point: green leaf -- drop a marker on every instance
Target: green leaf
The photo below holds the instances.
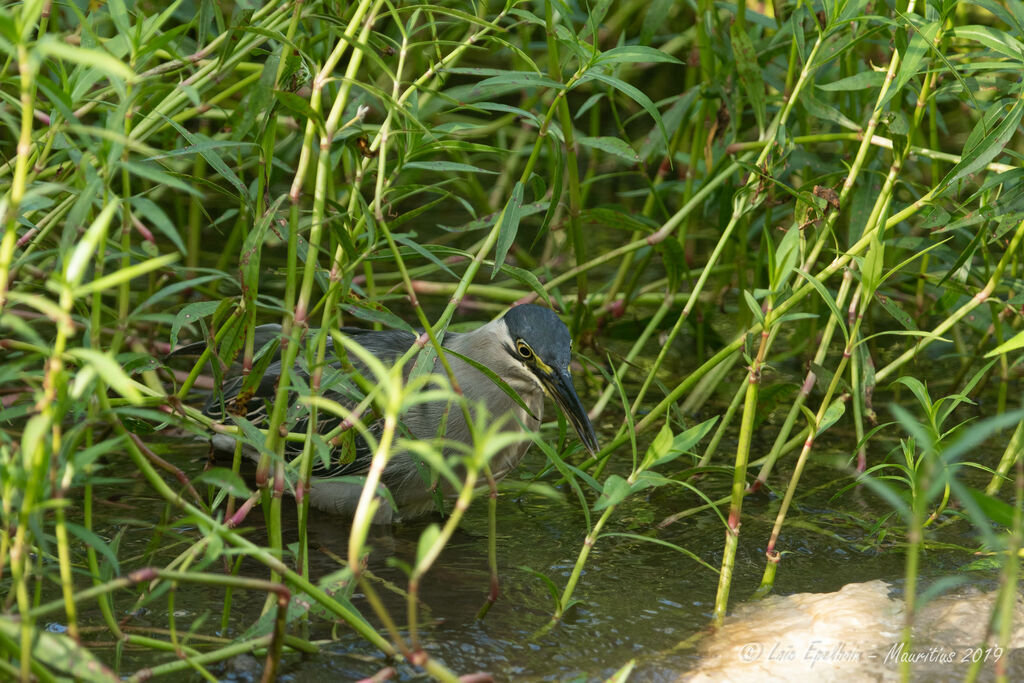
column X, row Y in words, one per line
column 530, row 280
column 975, row 435
column 648, row 480
column 509, row 109
column 1012, row 344
column 829, row 301
column 556, row 595
column 887, row 492
column 212, row 158
column 871, row 275
column 154, row 215
column 832, row 415
column 808, row 415
column 568, row 472
column 655, row 17
column 612, row 218
column 992, row 38
column 613, row 146
column 423, row 250
column 893, row 309
column 60, row 653
column 107, row 368
column 691, row 437
column 300, row 106
column 223, row 478
column 428, row 539
column 86, row 247
column 989, row 146
column 786, row 256
column 659, row 446
column 935, row 218
column 556, row 163
column 591, row 101
column 170, row 290
column 119, row 15
column 631, row 92
column 912, row 57
column 484, row 222
column 950, row 403
column 622, row 675
column 377, row 313
column 633, row 54
column 673, row 255
column 919, row 390
column 613, row 492
column 447, row 167
column 152, row 172
column 754, row 307
column 98, row 544
column 118, row 277
column 191, row 150
column 861, row 81
column 672, row 546
column 519, row 79
column 32, row 436
column 749, row 72
column 995, row 510
column 50, row 46
column 190, row 314
column 508, row 226
column 824, row 111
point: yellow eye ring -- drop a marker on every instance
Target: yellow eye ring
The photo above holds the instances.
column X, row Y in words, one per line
column 524, row 350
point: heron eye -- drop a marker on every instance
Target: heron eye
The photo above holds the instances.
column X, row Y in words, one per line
column 524, row 350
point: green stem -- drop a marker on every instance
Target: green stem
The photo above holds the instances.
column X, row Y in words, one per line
column 739, row 480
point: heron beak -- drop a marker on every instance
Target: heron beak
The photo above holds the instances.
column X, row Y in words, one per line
column 559, row 385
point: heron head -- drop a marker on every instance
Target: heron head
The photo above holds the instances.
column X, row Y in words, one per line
column 540, row 341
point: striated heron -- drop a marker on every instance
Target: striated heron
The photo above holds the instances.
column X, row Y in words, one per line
column 529, row 348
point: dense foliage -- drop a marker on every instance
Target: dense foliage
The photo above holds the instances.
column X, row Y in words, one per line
column 813, row 208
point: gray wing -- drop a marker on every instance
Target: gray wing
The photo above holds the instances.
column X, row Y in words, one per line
column 253, row 404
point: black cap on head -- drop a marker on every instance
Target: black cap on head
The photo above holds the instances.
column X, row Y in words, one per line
column 548, row 339
column 543, row 330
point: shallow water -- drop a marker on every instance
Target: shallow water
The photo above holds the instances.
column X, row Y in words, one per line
column 639, row 600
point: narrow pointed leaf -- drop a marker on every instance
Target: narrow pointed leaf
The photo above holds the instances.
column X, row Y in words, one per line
column 990, row 146
column 508, row 227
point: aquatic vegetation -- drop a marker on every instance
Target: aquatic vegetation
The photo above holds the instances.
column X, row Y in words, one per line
column 776, row 232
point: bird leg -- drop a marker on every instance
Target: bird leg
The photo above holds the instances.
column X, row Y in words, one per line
column 492, row 543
